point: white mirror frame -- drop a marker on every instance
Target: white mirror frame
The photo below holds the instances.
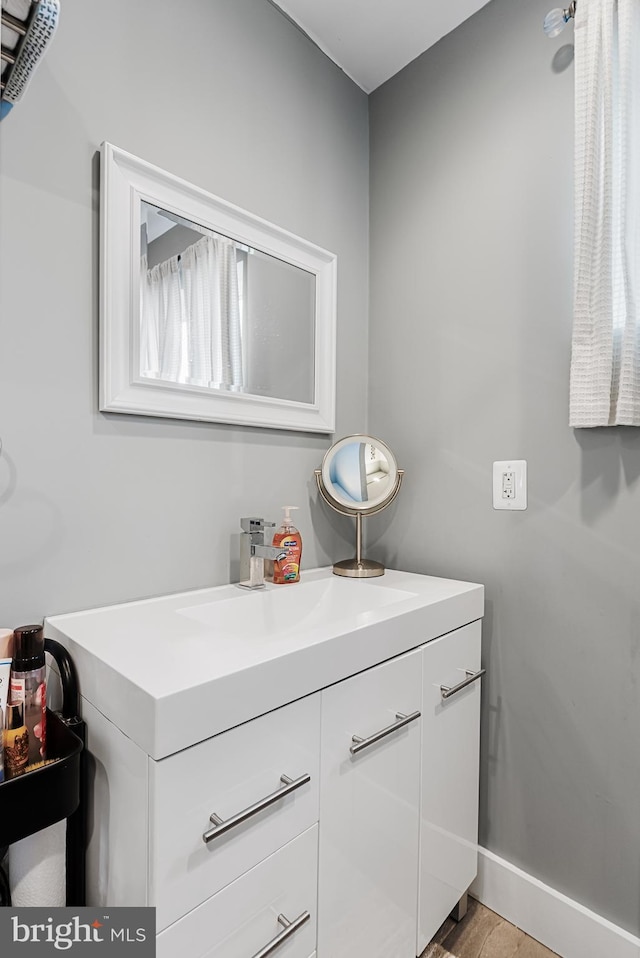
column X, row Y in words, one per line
column 125, row 181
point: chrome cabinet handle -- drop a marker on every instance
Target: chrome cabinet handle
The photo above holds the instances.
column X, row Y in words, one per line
column 448, row 690
column 221, row 825
column 290, row 928
column 360, row 743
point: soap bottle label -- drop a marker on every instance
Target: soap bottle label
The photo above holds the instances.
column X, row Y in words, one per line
column 288, row 569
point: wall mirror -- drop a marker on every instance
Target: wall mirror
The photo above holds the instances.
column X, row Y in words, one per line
column 359, row 477
column 207, row 311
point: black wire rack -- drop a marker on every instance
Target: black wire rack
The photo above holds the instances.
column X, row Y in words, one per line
column 39, row 798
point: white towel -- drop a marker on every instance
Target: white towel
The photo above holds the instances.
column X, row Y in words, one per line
column 37, row 870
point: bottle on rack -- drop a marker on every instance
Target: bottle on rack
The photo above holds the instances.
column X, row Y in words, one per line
column 16, row 741
column 6, row 652
column 28, row 686
column 289, row 540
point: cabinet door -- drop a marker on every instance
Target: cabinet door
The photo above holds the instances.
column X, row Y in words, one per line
column 242, row 919
column 450, row 756
column 369, row 814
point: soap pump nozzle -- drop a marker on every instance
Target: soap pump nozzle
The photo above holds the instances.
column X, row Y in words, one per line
column 287, row 515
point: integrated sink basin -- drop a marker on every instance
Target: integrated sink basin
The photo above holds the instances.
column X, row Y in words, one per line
column 214, row 658
column 283, row 610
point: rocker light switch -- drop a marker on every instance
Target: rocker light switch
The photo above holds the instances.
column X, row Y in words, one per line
column 510, row 484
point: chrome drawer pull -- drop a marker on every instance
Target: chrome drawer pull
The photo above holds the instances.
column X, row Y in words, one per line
column 221, row 825
column 290, row 928
column 447, row 690
column 360, row 743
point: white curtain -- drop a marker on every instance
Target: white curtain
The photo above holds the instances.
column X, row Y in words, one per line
column 161, row 318
column 190, row 317
column 605, row 360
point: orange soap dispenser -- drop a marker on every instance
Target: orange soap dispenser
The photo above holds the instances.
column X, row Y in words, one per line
column 289, row 540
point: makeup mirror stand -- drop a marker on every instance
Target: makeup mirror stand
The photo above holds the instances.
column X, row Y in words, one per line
column 358, row 568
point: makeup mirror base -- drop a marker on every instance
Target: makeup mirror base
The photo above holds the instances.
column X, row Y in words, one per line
column 358, row 568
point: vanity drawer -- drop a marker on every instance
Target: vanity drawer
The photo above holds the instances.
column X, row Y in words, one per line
column 227, row 775
column 242, row 919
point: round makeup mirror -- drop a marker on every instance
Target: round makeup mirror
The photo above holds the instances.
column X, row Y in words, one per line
column 359, row 477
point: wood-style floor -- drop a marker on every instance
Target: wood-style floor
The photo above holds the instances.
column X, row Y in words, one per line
column 483, row 934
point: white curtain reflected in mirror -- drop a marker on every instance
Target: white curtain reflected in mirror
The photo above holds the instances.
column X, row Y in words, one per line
column 220, row 315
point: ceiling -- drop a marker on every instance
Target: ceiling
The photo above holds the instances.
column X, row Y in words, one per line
column 372, row 39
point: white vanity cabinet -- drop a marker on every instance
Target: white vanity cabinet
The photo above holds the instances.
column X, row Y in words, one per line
column 222, row 898
column 369, row 800
column 334, row 781
column 449, row 775
column 405, row 808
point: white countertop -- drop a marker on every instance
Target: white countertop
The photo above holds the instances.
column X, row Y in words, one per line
column 174, row 670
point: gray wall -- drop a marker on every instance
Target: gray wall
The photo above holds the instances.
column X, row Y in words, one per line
column 98, row 508
column 471, row 283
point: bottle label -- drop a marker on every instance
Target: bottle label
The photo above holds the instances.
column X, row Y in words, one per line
column 30, row 688
column 16, row 751
column 16, row 689
column 288, row 569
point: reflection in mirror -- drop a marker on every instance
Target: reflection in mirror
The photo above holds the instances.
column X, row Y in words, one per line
column 359, row 472
column 219, row 314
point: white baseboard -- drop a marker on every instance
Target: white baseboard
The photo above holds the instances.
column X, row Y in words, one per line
column 563, row 925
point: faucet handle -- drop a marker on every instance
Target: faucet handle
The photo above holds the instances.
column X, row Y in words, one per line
column 253, row 524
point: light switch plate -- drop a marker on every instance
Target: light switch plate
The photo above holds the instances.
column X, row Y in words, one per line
column 510, row 484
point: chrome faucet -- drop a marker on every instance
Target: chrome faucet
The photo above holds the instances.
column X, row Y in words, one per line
column 253, row 552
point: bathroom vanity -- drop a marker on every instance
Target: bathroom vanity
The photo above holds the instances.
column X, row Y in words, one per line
column 292, row 771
